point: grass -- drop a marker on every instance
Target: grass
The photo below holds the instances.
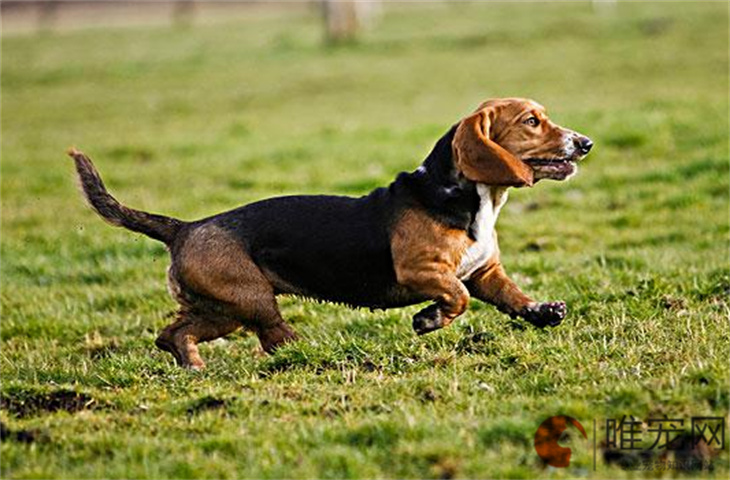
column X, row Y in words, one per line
column 190, row 122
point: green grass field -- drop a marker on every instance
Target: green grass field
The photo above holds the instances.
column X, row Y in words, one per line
column 190, row 122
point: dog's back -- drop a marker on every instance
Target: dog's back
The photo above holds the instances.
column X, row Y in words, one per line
column 325, row 247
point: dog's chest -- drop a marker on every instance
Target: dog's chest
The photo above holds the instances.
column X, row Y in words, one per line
column 491, row 201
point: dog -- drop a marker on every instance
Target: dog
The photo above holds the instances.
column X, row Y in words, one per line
column 428, row 236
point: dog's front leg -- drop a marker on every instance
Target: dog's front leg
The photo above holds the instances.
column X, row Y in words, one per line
column 491, row 284
column 426, row 254
column 449, row 293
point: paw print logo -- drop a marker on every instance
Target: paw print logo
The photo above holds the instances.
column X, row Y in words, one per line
column 546, row 440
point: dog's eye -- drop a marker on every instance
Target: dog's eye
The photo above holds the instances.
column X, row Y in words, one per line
column 532, row 121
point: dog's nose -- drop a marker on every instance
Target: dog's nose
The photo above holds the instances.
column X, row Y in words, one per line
column 584, row 144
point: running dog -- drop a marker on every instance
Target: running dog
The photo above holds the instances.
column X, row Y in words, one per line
column 428, row 236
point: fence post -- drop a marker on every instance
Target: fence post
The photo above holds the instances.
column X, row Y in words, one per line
column 603, row 5
column 47, row 13
column 341, row 20
column 182, row 13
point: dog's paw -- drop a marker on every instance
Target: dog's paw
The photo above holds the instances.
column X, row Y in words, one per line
column 429, row 319
column 548, row 314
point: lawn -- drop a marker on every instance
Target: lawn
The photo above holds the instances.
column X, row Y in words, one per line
column 192, row 121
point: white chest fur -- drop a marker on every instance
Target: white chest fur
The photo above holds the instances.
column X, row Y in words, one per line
column 491, row 201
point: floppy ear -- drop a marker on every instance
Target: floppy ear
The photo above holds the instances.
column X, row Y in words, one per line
column 481, row 160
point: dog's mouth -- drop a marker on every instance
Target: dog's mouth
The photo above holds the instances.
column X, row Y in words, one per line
column 553, row 168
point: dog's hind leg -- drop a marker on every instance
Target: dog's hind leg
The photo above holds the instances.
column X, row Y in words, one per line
column 263, row 317
column 181, row 337
column 252, row 302
column 235, row 293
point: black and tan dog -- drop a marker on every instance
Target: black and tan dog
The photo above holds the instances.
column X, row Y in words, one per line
column 428, row 236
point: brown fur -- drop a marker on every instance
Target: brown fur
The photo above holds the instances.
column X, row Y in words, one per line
column 482, row 160
column 506, row 116
column 208, row 274
column 425, row 257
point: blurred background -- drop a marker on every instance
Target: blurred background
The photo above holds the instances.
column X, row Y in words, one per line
column 342, row 19
column 341, row 95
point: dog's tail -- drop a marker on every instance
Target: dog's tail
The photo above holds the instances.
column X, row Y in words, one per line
column 159, row 227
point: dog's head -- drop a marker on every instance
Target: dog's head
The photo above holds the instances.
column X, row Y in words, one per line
column 512, row 142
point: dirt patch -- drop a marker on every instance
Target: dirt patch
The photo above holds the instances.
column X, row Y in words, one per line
column 428, row 395
column 21, row 436
column 29, row 403
column 207, row 403
column 673, row 303
column 477, row 343
column 444, row 468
